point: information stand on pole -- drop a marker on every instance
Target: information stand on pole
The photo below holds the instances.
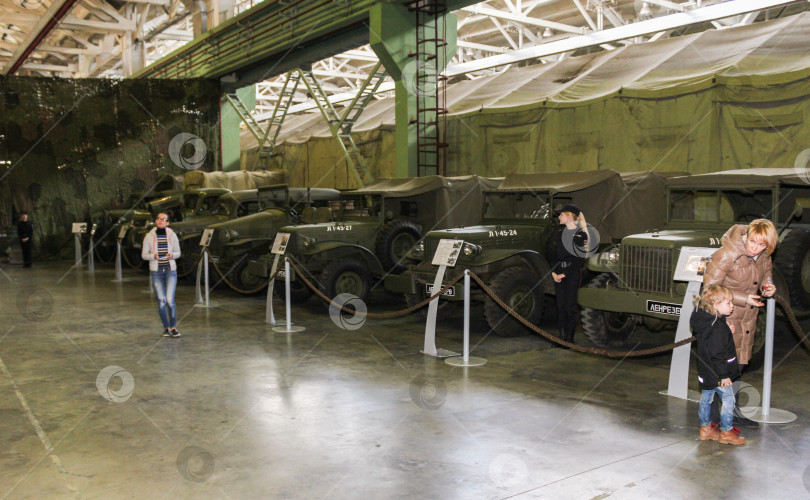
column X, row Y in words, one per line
column 79, row 228
column 269, row 317
column 446, row 256
column 465, row 359
column 278, row 248
column 288, row 328
column 691, row 264
column 119, row 278
column 204, row 241
column 765, row 413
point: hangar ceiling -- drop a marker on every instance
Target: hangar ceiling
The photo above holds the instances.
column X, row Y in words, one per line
column 116, row 38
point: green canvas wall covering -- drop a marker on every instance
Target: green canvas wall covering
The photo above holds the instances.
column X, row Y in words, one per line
column 720, row 99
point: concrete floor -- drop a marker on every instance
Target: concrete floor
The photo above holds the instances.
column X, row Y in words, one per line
column 234, row 410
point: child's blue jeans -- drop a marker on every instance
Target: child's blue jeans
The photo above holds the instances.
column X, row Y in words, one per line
column 726, row 412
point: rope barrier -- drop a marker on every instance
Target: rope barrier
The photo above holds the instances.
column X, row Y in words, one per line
column 130, row 264
column 234, row 287
column 100, row 259
column 589, row 350
column 394, row 314
column 794, row 323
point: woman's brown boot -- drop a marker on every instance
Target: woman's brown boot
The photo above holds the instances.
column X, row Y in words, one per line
column 728, row 437
column 707, row 432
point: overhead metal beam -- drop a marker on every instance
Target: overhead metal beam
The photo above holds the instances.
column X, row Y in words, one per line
column 672, row 21
column 498, row 14
column 54, row 14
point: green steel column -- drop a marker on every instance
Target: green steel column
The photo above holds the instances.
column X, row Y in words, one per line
column 393, row 37
column 229, row 127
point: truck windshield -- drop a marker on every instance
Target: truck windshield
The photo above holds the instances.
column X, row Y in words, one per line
column 720, row 205
column 508, row 205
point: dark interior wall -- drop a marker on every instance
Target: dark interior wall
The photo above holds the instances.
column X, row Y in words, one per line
column 69, row 148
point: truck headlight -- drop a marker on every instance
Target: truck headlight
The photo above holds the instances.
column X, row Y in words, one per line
column 309, row 242
column 417, row 252
column 611, row 256
column 470, row 249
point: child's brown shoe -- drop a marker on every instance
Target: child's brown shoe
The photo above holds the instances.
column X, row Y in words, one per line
column 707, row 432
column 728, row 437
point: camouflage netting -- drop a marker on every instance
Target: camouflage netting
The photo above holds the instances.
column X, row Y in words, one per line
column 715, row 100
column 70, row 148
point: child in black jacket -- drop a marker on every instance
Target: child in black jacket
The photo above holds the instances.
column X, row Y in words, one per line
column 717, row 361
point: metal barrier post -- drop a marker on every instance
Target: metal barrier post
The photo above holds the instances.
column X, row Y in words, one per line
column 679, row 367
column 430, row 324
column 202, row 271
column 119, row 278
column 78, row 244
column 465, row 359
column 765, row 413
column 288, row 328
column 91, row 267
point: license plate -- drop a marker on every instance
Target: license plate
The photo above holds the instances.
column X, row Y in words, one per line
column 450, row 292
column 654, row 306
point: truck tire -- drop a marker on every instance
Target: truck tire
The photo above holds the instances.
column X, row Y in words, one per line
column 519, row 288
column 346, row 276
column 299, row 291
column 793, row 261
column 244, row 280
column 395, row 240
column 604, row 328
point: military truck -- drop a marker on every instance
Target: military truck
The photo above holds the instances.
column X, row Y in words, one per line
column 510, row 249
column 179, row 207
column 367, row 234
column 236, row 242
column 636, row 286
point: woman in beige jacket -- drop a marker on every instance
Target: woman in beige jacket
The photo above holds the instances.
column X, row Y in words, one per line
column 743, row 265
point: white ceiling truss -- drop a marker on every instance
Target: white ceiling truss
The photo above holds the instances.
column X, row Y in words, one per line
column 116, row 38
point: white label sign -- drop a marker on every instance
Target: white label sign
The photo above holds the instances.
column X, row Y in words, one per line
column 692, row 263
column 280, row 245
column 79, row 227
column 122, row 232
column 205, row 240
column 447, row 253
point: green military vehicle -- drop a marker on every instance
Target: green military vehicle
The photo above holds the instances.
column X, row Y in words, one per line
column 509, row 249
column 370, row 230
column 236, row 242
column 226, row 208
column 179, row 207
column 636, row 286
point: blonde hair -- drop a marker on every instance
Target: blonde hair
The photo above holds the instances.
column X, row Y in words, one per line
column 580, row 220
column 711, row 296
column 763, row 231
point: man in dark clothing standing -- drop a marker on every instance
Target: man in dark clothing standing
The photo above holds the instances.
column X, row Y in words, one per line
column 25, row 231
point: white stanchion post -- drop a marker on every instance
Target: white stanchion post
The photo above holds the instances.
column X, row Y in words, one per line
column 269, row 317
column 429, row 347
column 78, row 244
column 289, row 328
column 679, row 367
column 465, row 359
column 205, row 270
column 118, row 274
column 765, row 413
column 91, row 262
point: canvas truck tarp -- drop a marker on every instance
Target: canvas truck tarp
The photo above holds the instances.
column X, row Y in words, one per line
column 696, row 103
column 644, row 206
column 235, row 181
column 744, row 178
column 441, row 202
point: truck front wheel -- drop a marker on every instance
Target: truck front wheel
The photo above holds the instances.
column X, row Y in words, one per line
column 605, row 328
column 346, row 276
column 521, row 290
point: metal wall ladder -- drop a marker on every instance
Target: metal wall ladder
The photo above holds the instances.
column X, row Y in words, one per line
column 341, row 126
column 430, row 55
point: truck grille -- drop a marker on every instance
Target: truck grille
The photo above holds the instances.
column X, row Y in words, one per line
column 647, row 269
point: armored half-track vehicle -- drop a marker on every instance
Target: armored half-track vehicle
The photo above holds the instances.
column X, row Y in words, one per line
column 636, row 286
column 510, row 249
column 367, row 234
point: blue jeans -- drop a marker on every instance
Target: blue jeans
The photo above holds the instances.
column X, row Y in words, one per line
column 165, row 283
column 726, row 411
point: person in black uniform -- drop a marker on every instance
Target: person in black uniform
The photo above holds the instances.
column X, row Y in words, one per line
column 25, row 231
column 571, row 248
